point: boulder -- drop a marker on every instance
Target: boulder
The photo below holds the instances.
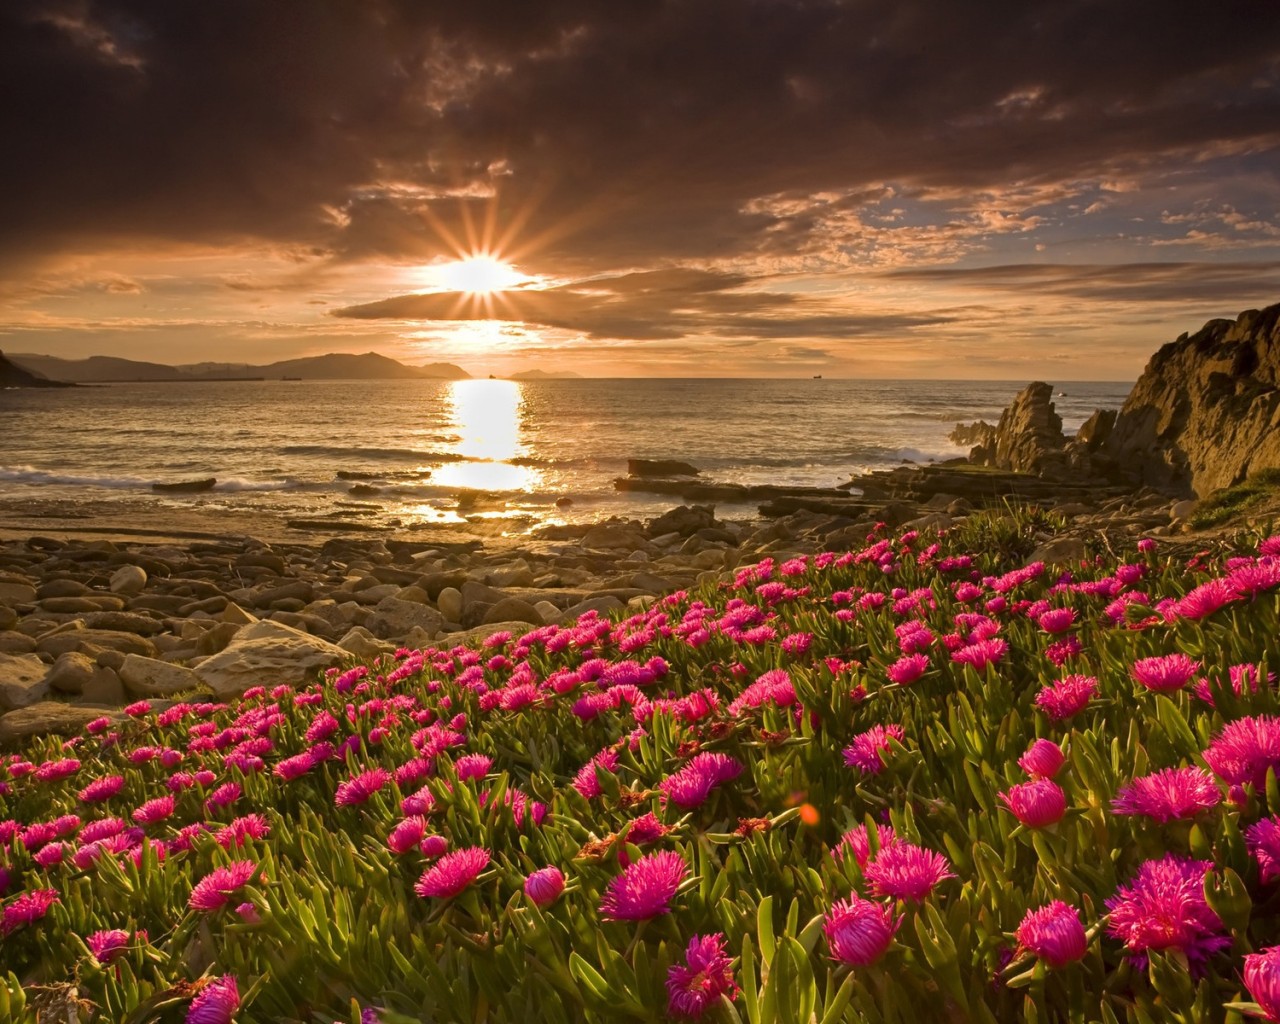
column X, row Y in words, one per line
column 613, row 535
column 147, row 677
column 1029, row 438
column 660, row 468
column 124, row 622
column 363, row 644
column 104, row 688
column 8, row 618
column 51, row 717
column 1059, row 551
column 71, row 672
column 450, row 604
column 684, row 520
column 267, row 653
column 14, row 593
column 128, row 580
column 513, row 609
column 22, row 680
column 1205, row 413
column 393, row 617
column 91, row 641
column 84, row 603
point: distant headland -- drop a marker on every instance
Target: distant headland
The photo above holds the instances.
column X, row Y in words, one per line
column 29, row 370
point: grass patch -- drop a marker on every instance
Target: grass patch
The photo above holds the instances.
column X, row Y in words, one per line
column 1223, row 504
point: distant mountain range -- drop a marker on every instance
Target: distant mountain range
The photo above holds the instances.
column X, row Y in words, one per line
column 13, row 376
column 41, row 371
column 335, row 366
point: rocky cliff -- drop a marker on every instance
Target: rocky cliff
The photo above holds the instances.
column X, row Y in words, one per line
column 1206, row 411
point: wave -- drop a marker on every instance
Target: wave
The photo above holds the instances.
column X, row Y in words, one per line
column 30, row 475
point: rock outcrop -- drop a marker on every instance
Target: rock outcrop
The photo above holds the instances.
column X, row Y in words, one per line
column 1028, row 438
column 1205, row 413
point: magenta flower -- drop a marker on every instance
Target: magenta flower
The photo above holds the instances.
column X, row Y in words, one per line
column 219, row 885
column 1043, row 759
column 707, row 974
column 154, row 810
column 216, row 1003
column 1057, row 620
column 224, row 796
column 644, row 889
column 693, row 783
column 1245, row 749
column 858, row 931
column 544, row 886
column 1263, row 840
column 1169, row 794
column 473, row 766
column 868, row 748
column 982, row 653
column 1206, row 599
column 1067, row 696
column 1053, row 933
column 27, row 908
column 242, row 829
column 360, row 788
column 433, row 845
column 452, row 873
column 407, row 834
column 906, row 871
column 52, row 771
column 107, row 945
column 858, row 842
column 586, row 782
column 907, row 669
column 1036, row 804
column 1166, row 672
column 1164, row 908
column 1262, row 979
column 101, row 789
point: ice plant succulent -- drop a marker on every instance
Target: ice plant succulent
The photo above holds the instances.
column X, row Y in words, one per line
column 452, row 873
column 859, row 931
column 906, row 871
column 1163, row 907
column 1053, row 933
column 645, row 888
column 216, row 1003
column 1169, row 794
column 545, row 885
column 707, row 974
column 1166, row 672
column 1262, row 979
column 1036, row 804
column 215, row 890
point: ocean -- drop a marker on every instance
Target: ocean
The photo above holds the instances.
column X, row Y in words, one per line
column 493, row 452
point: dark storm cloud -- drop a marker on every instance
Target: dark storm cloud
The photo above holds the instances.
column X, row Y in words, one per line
column 1133, row 282
column 650, row 305
column 606, row 134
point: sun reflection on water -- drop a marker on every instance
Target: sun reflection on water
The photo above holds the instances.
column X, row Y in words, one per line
column 486, row 415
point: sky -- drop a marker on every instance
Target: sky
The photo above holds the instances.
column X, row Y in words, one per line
column 1005, row 189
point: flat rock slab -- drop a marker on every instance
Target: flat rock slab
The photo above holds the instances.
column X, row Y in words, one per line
column 268, row 654
column 51, row 718
column 147, row 677
column 22, row 680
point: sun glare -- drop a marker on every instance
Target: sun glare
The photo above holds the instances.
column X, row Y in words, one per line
column 480, row 274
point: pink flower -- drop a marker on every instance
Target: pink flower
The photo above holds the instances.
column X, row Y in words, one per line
column 1263, row 840
column 433, row 845
column 1067, row 696
column 586, row 782
column 452, row 873
column 858, row 842
column 473, row 766
column 707, row 974
column 868, row 748
column 906, row 871
column 1043, row 758
column 52, row 771
column 1245, row 749
column 1036, row 804
column 1262, row 978
column 101, row 789
column 1164, row 908
column 360, row 788
column 154, row 810
column 224, row 796
column 1165, row 673
column 908, row 669
column 693, row 783
column 249, row 826
column 1057, row 620
column 26, row 909
column 407, row 834
column 644, row 889
column 1168, row 794
column 858, row 931
column 544, row 886
column 1206, row 599
column 107, row 945
column 216, row 1003
column 219, row 885
column 1053, row 933
column 982, row 653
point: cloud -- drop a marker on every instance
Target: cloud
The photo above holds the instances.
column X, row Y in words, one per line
column 596, row 136
column 1129, row 282
column 647, row 306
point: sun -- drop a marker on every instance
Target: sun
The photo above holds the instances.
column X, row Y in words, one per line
column 477, row 274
